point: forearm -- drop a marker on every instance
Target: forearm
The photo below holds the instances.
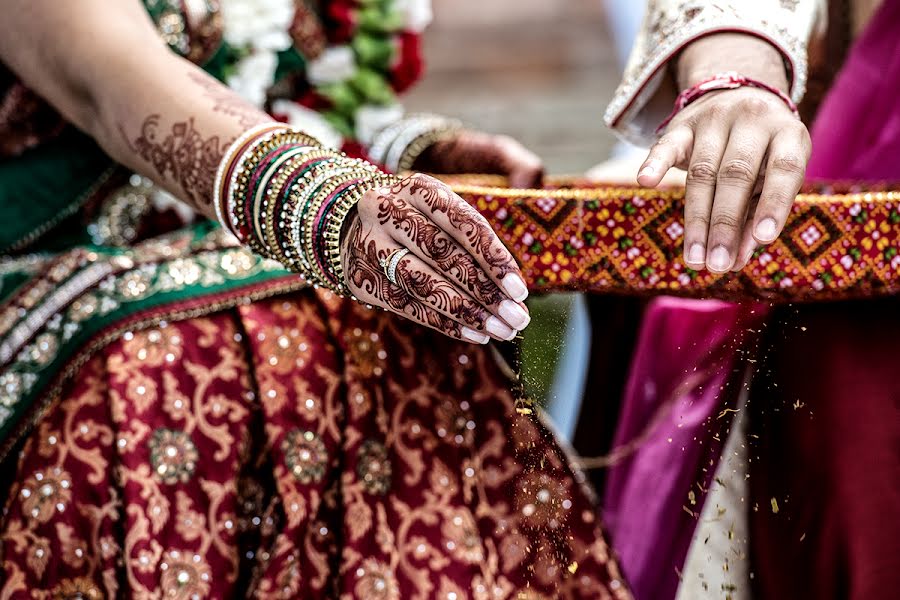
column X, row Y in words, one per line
column 743, row 53
column 177, row 133
column 764, row 39
column 103, row 67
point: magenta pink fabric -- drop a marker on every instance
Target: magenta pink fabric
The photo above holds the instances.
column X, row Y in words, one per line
column 687, row 350
column 857, row 132
column 685, row 372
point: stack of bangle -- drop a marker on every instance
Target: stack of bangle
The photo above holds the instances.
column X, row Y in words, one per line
column 398, row 145
column 284, row 195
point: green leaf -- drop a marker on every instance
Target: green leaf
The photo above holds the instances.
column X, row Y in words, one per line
column 374, row 52
column 378, row 20
column 372, row 86
column 344, row 98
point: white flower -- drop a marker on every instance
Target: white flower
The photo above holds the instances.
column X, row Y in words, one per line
column 308, row 121
column 417, row 14
column 372, row 118
column 253, row 75
column 335, row 64
column 260, row 24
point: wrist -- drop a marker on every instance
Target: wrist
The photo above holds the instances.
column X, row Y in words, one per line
column 288, row 198
column 751, row 56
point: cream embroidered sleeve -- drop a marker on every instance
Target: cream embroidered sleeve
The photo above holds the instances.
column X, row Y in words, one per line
column 645, row 96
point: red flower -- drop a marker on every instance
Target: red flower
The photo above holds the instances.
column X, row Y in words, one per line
column 409, row 67
column 313, row 100
column 341, row 21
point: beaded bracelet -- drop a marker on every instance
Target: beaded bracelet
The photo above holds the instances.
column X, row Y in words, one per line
column 335, row 224
column 289, row 197
column 276, row 195
column 246, row 172
column 275, row 216
column 234, row 162
column 722, row 81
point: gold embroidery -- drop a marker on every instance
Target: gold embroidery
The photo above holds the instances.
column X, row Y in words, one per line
column 212, row 265
column 374, row 467
column 305, row 456
column 173, row 455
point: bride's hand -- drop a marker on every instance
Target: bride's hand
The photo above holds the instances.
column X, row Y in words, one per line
column 450, row 270
column 477, row 152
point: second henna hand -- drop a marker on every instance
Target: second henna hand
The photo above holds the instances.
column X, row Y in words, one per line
column 477, row 152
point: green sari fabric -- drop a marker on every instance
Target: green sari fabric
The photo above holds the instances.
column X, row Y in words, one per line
column 43, row 186
column 61, row 298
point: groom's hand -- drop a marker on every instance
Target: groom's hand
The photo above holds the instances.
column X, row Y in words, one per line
column 744, row 151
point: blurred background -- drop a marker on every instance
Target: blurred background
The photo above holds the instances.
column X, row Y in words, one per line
column 541, row 71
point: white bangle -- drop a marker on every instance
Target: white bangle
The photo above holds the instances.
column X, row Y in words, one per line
column 220, row 171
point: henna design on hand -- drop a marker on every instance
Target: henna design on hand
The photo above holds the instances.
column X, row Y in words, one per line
column 182, row 156
column 478, row 152
column 440, row 295
column 462, row 217
column 228, row 103
column 365, row 274
column 445, row 253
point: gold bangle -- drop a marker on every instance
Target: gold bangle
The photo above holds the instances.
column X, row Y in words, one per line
column 335, row 225
column 309, row 234
column 313, row 160
column 415, row 148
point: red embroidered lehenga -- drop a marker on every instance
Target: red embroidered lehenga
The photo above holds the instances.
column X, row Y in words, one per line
column 183, row 420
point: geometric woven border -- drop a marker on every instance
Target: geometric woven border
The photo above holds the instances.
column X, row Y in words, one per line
column 841, row 242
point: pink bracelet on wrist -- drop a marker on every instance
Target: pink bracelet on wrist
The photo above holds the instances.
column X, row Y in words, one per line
column 722, row 81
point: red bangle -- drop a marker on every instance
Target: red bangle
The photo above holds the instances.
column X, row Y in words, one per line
column 722, row 81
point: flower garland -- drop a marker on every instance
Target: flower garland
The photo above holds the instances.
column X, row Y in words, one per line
column 356, row 55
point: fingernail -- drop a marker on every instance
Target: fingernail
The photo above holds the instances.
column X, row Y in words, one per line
column 720, row 259
column 499, row 329
column 650, row 169
column 514, row 314
column 766, row 230
column 474, row 336
column 697, row 254
column 515, row 287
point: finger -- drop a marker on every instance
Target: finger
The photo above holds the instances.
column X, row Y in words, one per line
column 737, row 176
column 396, row 300
column 788, row 154
column 670, row 150
column 365, row 247
column 427, row 286
column 430, row 243
column 700, row 188
column 469, row 228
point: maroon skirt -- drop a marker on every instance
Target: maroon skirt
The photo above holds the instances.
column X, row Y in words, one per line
column 298, row 447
